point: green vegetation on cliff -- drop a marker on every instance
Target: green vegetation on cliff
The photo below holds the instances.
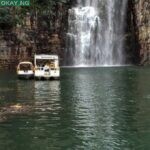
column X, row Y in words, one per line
column 45, row 10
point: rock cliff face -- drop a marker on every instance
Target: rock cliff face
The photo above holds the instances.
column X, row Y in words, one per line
column 141, row 22
column 38, row 34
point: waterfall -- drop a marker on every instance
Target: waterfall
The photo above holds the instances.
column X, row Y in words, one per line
column 96, row 33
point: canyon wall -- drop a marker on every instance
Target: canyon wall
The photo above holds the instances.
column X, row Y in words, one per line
column 38, row 33
column 140, row 10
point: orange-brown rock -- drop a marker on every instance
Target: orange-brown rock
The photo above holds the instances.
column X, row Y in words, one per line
column 142, row 19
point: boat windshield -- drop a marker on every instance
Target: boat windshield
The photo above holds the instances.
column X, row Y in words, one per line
column 25, row 67
column 43, row 63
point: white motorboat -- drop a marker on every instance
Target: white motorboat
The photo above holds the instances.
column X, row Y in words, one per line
column 46, row 67
column 25, row 70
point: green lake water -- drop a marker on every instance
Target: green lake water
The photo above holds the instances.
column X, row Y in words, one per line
column 87, row 109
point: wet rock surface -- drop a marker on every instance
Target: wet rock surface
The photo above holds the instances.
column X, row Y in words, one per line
column 141, row 14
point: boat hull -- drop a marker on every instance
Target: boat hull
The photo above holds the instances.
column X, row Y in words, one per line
column 25, row 76
column 41, row 74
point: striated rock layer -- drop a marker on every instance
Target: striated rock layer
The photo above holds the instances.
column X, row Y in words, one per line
column 38, row 33
column 141, row 14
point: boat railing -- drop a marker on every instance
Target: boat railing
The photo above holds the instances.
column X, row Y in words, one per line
column 39, row 68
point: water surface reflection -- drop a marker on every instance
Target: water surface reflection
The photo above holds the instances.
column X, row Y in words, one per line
column 90, row 108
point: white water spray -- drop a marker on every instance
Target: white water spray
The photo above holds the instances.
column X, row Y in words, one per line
column 95, row 34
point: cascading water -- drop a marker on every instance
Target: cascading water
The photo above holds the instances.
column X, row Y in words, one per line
column 96, row 33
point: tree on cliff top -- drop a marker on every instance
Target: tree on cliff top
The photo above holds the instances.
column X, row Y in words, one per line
column 7, row 21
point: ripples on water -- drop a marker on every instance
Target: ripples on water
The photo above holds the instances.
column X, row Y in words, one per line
column 90, row 108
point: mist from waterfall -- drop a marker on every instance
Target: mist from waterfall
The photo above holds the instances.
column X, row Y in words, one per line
column 96, row 33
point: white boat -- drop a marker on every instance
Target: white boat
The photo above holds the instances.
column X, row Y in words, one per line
column 46, row 67
column 25, row 70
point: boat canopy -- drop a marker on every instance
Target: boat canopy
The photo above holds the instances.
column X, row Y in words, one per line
column 25, row 62
column 46, row 57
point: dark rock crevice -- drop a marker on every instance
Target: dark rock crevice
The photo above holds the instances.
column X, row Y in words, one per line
column 132, row 46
